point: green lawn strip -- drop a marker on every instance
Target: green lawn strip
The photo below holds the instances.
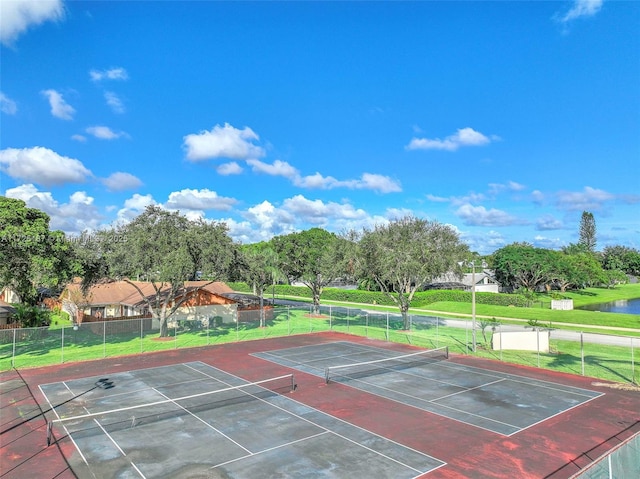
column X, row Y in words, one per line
column 41, row 347
column 449, row 309
column 588, row 296
column 590, row 318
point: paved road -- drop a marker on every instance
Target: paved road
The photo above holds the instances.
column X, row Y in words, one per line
column 563, row 334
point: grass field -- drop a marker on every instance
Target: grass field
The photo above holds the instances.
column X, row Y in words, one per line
column 42, row 346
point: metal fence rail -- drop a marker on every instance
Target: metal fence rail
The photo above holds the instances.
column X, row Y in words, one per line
column 30, row 347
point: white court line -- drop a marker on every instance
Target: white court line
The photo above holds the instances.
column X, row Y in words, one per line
column 341, row 436
column 206, row 423
column 270, row 449
column 526, row 380
column 436, row 404
column 70, row 436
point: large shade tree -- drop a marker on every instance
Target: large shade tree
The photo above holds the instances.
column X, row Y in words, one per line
column 522, row 266
column 165, row 249
column 313, row 257
column 31, row 256
column 404, row 255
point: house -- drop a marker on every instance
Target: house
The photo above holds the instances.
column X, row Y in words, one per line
column 6, row 311
column 123, row 299
column 8, row 295
column 484, row 282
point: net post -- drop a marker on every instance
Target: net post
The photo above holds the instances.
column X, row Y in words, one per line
column 446, row 352
column 49, row 432
column 326, row 375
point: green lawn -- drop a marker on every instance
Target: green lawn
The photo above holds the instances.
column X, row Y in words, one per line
column 61, row 344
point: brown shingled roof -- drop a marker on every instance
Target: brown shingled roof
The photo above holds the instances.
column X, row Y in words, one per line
column 124, row 292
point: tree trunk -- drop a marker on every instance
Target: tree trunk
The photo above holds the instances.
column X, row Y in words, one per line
column 261, row 308
column 164, row 327
column 404, row 310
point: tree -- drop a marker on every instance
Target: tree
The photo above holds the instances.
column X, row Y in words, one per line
column 406, row 254
column 314, row 257
column 621, row 258
column 165, row 249
column 588, row 231
column 260, row 268
column 31, row 256
column 520, row 265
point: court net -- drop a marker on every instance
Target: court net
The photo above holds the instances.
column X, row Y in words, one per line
column 380, row 366
column 91, row 424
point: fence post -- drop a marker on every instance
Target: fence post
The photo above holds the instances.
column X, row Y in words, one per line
column 633, row 373
column 288, row 320
column 13, row 353
column 387, row 332
column 330, row 318
column 62, row 348
column 366, row 325
column 347, row 320
column 538, row 345
column 104, row 339
column 582, row 351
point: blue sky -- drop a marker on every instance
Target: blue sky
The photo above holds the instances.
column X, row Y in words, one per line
column 503, row 119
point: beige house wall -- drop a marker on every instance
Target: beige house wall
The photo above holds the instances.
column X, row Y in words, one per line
column 228, row 313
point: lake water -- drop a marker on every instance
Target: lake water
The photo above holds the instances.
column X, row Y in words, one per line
column 629, row 306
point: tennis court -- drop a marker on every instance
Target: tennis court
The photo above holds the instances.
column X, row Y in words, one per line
column 498, row 402
column 195, row 420
column 215, row 417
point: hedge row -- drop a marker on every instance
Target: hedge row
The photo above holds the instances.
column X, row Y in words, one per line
column 421, row 299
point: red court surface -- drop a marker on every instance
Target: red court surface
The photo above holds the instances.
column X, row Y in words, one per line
column 555, row 448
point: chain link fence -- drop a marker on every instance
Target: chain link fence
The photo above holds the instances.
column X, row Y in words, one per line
column 30, row 347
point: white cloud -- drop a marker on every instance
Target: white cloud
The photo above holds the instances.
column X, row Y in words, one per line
column 120, row 181
column 580, row 8
column 318, row 212
column 17, row 16
column 74, row 217
column 589, row 199
column 538, row 197
column 117, row 73
column 231, row 168
column 497, row 188
column 485, row 242
column 383, row 184
column 462, row 137
column 222, row 142
column 114, row 102
column 204, row 199
column 59, row 107
column 134, row 206
column 548, row 223
column 7, row 105
column 368, row 181
column 277, row 168
column 80, row 138
column 437, row 199
column 265, row 222
column 105, row 133
column 42, row 165
column 480, row 216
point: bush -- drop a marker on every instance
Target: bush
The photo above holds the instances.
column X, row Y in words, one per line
column 420, row 299
column 30, row 316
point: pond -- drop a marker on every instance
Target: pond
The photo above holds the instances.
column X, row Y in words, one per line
column 628, row 306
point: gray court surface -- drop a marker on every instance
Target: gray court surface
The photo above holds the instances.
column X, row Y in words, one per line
column 249, row 433
column 499, row 402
